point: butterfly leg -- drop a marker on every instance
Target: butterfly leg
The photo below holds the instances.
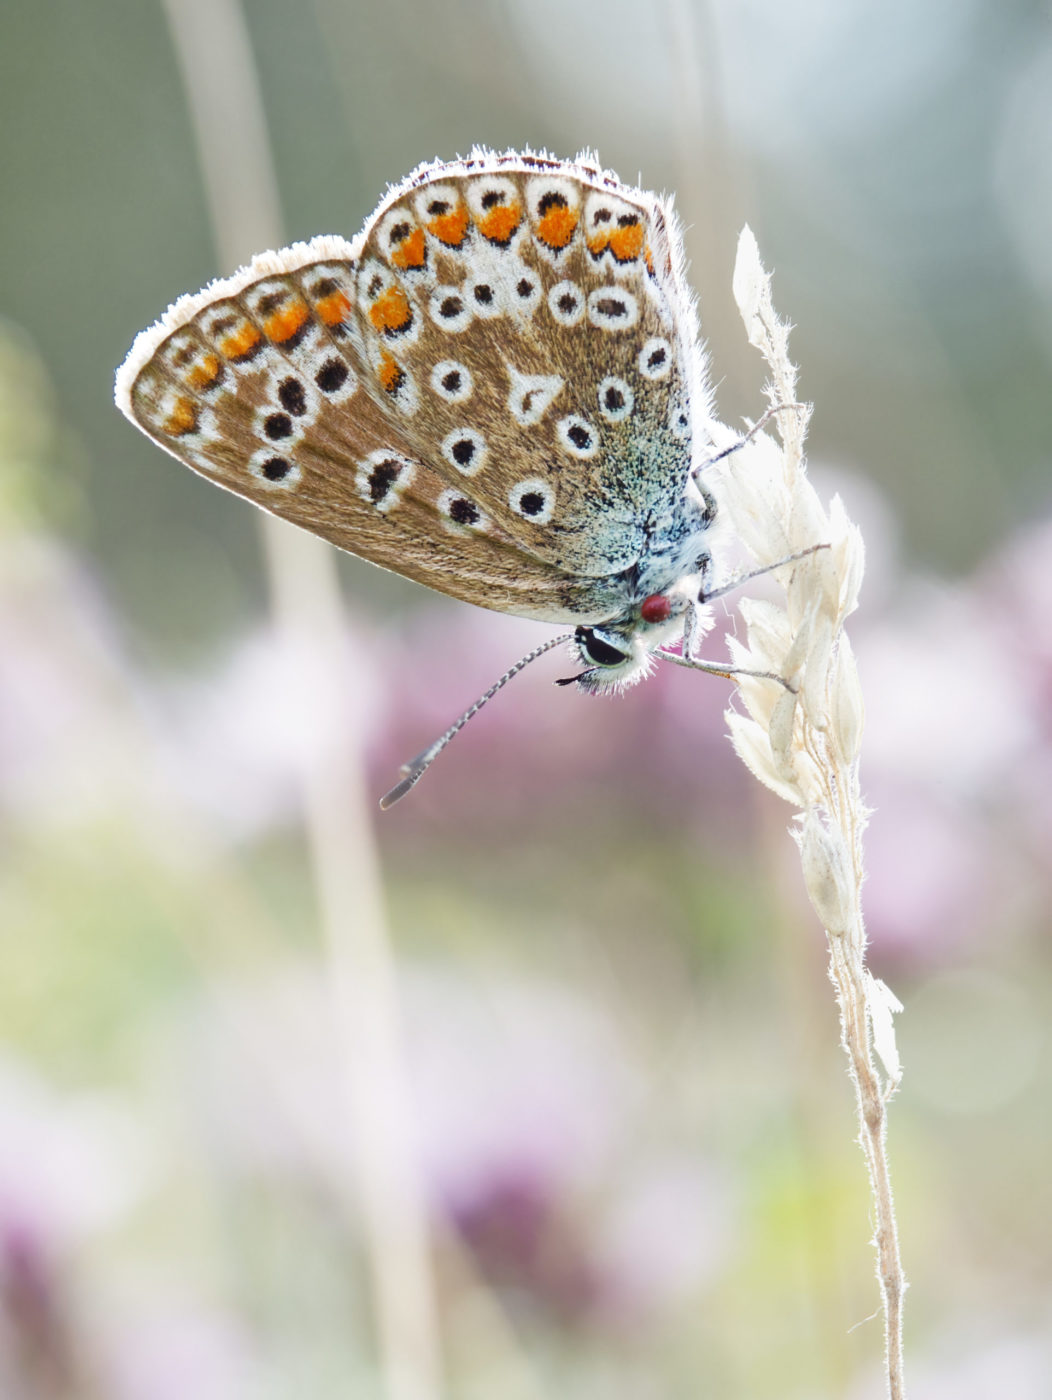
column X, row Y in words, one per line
column 727, row 672
column 691, row 632
column 691, row 635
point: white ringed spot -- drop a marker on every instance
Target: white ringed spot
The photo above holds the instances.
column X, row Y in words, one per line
column 382, row 477
column 616, row 399
column 577, row 436
column 483, row 295
column 465, row 449
column 335, row 378
column 612, row 309
column 277, row 427
column 291, row 398
column 450, row 308
column 655, row 358
column 275, row 470
column 566, row 303
column 452, row 381
column 533, row 499
column 460, row 514
column 524, row 291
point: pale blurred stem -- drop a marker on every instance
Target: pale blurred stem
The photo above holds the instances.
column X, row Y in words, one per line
column 218, row 71
column 848, row 973
column 848, row 977
column 848, row 950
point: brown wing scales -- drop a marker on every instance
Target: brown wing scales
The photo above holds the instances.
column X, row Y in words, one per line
column 486, row 391
column 257, row 393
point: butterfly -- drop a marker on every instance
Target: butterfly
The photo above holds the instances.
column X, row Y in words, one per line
column 496, row 389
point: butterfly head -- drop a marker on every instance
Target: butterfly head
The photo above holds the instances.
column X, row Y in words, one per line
column 618, row 654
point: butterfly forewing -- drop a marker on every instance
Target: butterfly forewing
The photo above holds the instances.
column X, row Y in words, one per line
column 487, row 391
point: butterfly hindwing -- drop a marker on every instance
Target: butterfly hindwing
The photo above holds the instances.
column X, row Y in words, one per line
column 556, row 298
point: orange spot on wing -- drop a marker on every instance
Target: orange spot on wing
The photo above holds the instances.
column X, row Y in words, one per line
column 334, row 308
column 556, row 227
column 500, row 223
column 286, row 321
column 649, row 255
column 626, row 243
column 598, row 244
column 182, row 419
column 390, row 311
column 410, row 252
column 450, row 228
column 241, row 342
column 391, row 373
column 205, row 373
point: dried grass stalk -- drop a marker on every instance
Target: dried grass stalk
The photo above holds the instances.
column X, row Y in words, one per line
column 803, row 742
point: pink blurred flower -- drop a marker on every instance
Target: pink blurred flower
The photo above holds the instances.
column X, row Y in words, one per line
column 68, row 1171
column 931, row 882
column 948, row 705
column 957, row 754
column 535, row 746
column 525, row 1104
column 171, row 1351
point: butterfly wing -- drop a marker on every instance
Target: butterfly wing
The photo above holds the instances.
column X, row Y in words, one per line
column 559, row 295
column 488, row 391
column 263, row 384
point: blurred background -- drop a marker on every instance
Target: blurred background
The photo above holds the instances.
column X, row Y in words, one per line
column 608, row 1084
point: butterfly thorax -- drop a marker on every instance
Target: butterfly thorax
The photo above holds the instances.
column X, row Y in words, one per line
column 667, row 582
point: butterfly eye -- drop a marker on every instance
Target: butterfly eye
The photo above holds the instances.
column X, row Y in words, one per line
column 594, row 649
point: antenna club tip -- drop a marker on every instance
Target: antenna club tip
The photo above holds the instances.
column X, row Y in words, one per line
column 400, row 789
column 415, row 769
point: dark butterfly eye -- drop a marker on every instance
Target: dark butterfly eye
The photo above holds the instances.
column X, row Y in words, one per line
column 597, row 651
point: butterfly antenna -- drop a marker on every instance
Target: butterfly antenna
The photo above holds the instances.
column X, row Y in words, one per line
column 736, row 583
column 760, row 424
column 415, row 769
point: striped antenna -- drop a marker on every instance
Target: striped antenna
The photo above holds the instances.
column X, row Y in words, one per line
column 415, row 769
